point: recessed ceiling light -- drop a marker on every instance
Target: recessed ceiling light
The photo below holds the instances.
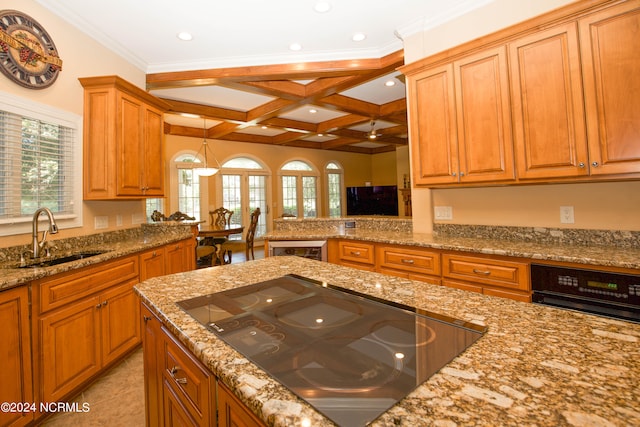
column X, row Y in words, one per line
column 295, row 46
column 313, row 111
column 358, row 37
column 322, row 6
column 185, row 36
column 389, row 83
column 189, row 115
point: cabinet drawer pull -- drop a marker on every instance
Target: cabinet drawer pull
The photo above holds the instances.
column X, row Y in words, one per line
column 408, row 261
column 355, row 253
column 483, row 272
column 173, row 373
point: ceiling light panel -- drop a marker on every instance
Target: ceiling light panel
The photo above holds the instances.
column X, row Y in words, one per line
column 377, row 92
column 216, row 96
column 179, row 120
column 259, row 130
column 321, row 115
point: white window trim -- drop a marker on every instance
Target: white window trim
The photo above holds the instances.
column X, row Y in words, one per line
column 343, row 192
column 314, row 172
column 47, row 113
column 173, row 184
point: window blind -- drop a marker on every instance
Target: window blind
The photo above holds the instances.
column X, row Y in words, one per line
column 36, row 166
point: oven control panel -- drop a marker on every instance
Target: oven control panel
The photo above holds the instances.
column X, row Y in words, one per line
column 611, row 287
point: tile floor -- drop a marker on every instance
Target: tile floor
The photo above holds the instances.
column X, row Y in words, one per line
column 116, row 399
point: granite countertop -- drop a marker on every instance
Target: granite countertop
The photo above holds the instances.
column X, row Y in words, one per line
column 597, row 255
column 535, row 365
column 127, row 244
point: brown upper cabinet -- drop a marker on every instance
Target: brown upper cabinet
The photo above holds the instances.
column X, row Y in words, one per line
column 553, row 96
column 460, row 125
column 610, row 48
column 124, row 155
column 548, row 112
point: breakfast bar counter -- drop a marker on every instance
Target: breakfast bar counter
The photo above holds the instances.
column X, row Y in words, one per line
column 535, row 365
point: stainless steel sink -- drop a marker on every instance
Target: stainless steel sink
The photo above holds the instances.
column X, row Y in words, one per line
column 57, row 261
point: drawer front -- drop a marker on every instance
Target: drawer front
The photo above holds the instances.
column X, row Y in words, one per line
column 497, row 272
column 189, row 380
column 69, row 287
column 410, row 260
column 356, row 251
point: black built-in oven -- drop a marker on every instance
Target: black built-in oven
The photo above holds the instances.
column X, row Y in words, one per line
column 598, row 292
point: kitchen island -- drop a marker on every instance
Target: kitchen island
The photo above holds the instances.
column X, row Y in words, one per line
column 535, row 365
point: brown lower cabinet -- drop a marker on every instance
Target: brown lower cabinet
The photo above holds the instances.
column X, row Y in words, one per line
column 179, row 389
column 83, row 321
column 15, row 355
column 500, row 276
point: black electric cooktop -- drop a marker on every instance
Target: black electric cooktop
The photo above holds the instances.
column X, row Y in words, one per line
column 349, row 355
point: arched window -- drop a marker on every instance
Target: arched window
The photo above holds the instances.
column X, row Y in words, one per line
column 299, row 189
column 334, row 176
column 188, row 184
column 244, row 188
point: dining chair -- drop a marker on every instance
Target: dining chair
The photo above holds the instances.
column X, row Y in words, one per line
column 205, row 254
column 220, row 218
column 247, row 244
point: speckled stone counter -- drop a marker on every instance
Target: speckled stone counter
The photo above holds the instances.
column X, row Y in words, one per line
column 596, row 248
column 113, row 244
column 535, row 366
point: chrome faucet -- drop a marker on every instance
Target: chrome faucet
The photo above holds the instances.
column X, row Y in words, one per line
column 53, row 229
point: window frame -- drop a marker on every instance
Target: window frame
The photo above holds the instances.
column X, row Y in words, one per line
column 298, row 174
column 46, row 113
column 339, row 171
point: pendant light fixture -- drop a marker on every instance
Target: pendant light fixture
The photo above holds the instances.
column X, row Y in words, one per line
column 206, row 169
column 372, row 133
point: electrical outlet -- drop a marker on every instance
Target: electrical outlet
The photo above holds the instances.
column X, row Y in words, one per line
column 443, row 212
column 566, row 215
column 101, row 222
column 119, row 220
column 137, row 218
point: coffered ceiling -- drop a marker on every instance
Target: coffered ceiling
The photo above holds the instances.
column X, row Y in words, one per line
column 239, row 75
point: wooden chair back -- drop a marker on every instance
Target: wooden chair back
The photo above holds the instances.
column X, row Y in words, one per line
column 251, row 232
column 220, row 217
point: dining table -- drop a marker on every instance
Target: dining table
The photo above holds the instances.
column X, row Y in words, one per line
column 207, row 234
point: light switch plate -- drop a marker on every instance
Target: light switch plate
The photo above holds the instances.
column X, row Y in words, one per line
column 443, row 212
column 137, row 218
column 101, row 222
column 566, row 215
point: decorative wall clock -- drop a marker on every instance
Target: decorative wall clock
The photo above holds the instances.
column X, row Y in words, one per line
column 27, row 53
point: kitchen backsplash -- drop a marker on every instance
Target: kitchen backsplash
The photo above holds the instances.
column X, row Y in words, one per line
column 336, row 224
column 71, row 244
column 568, row 236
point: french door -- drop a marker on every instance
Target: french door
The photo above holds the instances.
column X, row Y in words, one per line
column 242, row 193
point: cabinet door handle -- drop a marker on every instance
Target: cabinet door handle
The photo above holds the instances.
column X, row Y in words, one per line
column 581, row 165
column 105, row 302
column 595, row 164
column 173, row 373
column 146, row 318
column 408, row 261
column 483, row 272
